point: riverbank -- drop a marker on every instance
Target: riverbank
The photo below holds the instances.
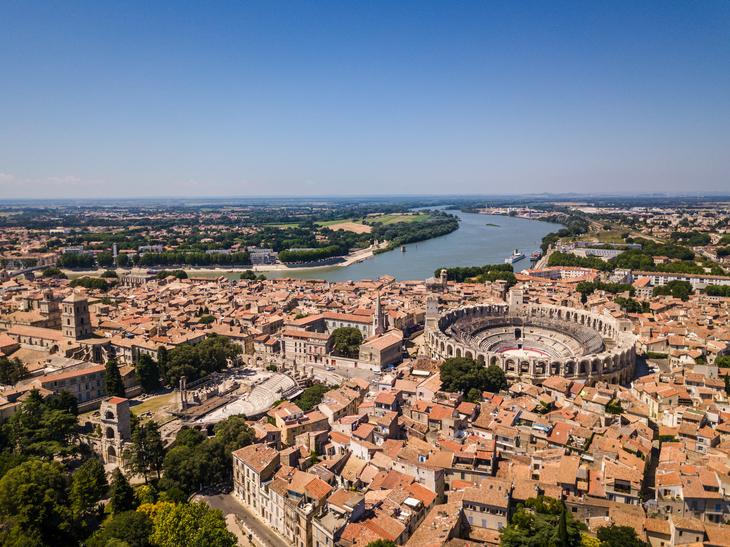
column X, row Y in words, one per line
column 352, row 258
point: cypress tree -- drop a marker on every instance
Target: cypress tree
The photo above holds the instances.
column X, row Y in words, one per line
column 122, row 494
column 114, row 385
column 563, row 528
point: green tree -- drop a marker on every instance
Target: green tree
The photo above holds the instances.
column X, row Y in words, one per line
column 233, row 433
column 210, row 355
column 619, row 536
column 312, row 396
column 162, row 359
column 123, row 260
column 206, row 320
column 347, row 340
column 32, row 502
column 132, row 527
column 147, row 451
column 563, row 528
column 88, row 486
column 614, row 406
column 538, row 523
column 110, row 273
column 381, row 543
column 66, row 401
column 39, row 430
column 677, row 289
column 191, row 525
column 248, row 274
column 114, row 385
column 194, row 462
column 12, row 370
column 146, row 494
column 50, row 272
column 461, row 374
column 122, row 494
column 148, row 373
column 105, row 259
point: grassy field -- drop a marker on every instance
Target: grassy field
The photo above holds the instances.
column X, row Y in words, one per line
column 9, row 213
column 280, row 226
column 392, row 219
column 335, row 222
column 611, row 236
column 153, row 404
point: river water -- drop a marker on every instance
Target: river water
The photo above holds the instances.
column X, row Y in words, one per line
column 473, row 244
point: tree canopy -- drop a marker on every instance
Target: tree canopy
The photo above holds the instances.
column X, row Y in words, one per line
column 191, row 525
column 312, row 396
column 347, row 341
column 12, row 370
column 148, row 373
column 675, row 288
column 468, row 376
column 195, row 461
column 113, row 382
column 39, row 429
column 147, row 451
column 210, row 355
column 542, row 522
column 619, row 536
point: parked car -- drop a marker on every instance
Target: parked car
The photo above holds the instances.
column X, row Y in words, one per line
column 378, row 373
column 330, row 368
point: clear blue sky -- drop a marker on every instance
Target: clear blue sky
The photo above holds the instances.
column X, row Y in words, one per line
column 120, row 99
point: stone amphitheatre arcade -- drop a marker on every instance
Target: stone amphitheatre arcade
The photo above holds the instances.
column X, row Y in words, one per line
column 533, row 342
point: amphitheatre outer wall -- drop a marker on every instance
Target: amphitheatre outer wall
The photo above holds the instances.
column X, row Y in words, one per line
column 613, row 361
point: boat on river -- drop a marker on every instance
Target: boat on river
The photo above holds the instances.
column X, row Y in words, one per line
column 516, row 256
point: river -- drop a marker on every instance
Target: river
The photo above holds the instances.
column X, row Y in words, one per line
column 473, row 244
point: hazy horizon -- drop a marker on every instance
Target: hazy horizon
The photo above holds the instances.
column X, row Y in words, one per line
column 313, row 99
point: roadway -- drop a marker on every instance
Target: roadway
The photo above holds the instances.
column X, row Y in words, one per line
column 229, row 505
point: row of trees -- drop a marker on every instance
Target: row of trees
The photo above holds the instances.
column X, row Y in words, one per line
column 718, row 290
column 192, row 259
column 587, row 288
column 460, row 274
column 72, row 260
column 310, row 256
column 438, row 224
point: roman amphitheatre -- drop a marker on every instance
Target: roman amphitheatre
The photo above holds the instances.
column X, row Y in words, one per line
column 532, row 342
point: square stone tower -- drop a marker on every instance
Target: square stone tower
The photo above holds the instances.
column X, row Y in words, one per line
column 116, row 428
column 75, row 317
column 115, row 419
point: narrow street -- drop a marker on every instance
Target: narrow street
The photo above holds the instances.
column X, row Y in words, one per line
column 230, row 506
